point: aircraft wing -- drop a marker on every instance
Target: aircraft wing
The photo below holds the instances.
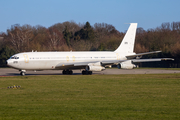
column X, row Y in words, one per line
column 140, row 54
column 150, row 60
column 84, row 64
column 104, row 62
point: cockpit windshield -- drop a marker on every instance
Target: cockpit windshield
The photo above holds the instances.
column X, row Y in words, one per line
column 14, row 57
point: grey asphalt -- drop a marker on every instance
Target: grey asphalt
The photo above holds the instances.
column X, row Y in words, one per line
column 14, row 72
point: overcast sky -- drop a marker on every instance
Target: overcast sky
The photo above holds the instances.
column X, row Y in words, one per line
column 147, row 13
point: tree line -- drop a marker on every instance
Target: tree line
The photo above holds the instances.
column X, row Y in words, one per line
column 69, row 35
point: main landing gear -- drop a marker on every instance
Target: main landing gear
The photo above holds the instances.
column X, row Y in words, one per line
column 67, row 72
column 70, row 72
column 85, row 72
column 23, row 72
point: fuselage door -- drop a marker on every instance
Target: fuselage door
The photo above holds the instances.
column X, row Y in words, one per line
column 118, row 56
column 26, row 59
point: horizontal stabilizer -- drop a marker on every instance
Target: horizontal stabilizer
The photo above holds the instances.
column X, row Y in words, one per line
column 150, row 60
column 140, row 54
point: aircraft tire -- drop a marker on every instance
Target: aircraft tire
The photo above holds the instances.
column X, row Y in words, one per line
column 22, row 73
column 63, row 72
column 70, row 72
column 85, row 72
column 67, row 72
column 89, row 72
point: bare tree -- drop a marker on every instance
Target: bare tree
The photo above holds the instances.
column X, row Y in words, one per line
column 39, row 41
column 71, row 26
column 20, row 37
column 55, row 39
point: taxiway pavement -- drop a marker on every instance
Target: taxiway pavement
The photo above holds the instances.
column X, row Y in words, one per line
column 14, row 72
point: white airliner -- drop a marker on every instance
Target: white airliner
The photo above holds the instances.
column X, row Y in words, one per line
column 123, row 57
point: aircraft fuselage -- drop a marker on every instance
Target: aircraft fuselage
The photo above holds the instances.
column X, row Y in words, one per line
column 53, row 60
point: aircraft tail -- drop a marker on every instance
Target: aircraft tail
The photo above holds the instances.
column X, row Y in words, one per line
column 127, row 44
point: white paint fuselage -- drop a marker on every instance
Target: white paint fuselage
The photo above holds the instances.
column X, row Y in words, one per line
column 50, row 60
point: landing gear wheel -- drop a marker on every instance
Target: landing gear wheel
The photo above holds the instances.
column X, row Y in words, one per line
column 70, row 72
column 85, row 72
column 22, row 73
column 63, row 72
column 90, row 72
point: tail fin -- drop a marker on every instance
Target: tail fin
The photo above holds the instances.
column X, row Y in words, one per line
column 127, row 44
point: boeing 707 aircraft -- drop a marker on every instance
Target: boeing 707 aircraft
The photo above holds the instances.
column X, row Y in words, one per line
column 123, row 57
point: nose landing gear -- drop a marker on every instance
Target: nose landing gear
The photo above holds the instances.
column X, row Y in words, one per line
column 23, row 72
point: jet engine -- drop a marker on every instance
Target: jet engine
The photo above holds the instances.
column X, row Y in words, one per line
column 126, row 65
column 95, row 67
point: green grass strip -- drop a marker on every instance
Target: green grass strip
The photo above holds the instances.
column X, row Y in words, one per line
column 95, row 97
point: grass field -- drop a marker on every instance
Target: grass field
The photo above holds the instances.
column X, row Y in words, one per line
column 98, row 97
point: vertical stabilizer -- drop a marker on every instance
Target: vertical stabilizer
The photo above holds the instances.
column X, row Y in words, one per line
column 127, row 44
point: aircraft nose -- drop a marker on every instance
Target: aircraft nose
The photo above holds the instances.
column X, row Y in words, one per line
column 7, row 62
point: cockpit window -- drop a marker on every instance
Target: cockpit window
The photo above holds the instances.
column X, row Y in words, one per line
column 14, row 57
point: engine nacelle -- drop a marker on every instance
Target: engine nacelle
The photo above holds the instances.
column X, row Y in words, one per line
column 126, row 65
column 95, row 68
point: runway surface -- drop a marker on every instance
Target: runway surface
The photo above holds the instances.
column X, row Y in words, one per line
column 14, row 72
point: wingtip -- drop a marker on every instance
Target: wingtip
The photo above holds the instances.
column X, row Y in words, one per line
column 165, row 59
column 158, row 51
